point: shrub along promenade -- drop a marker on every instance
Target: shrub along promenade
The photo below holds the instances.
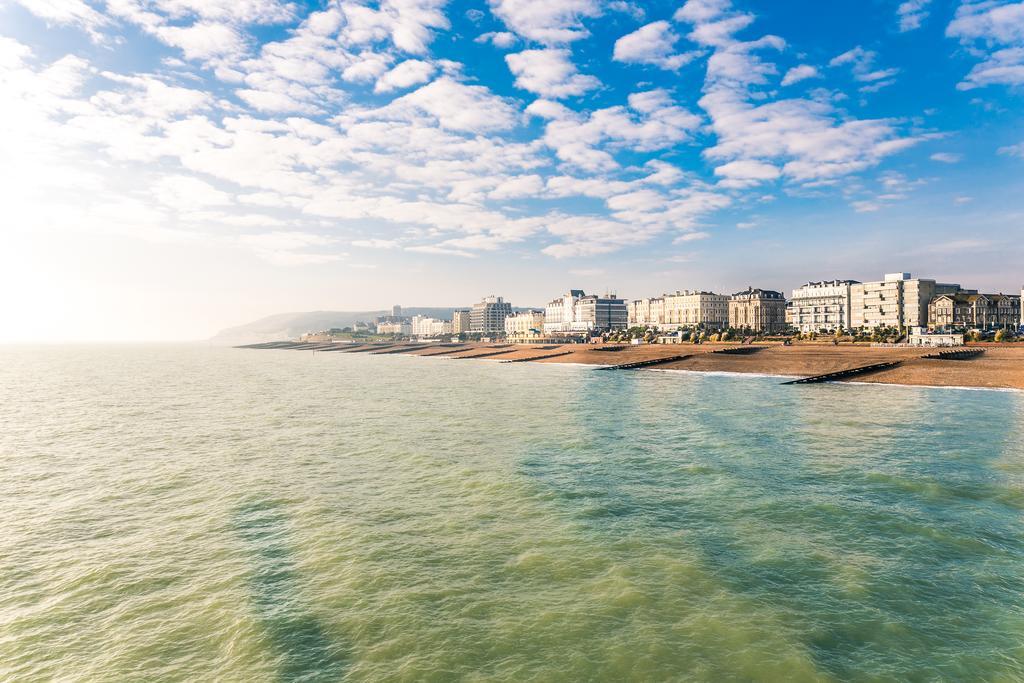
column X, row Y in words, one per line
column 1000, row 366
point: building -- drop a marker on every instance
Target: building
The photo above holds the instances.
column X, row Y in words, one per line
column 577, row 312
column 646, row 312
column 759, row 310
column 460, row 321
column 821, row 306
column 682, row 309
column 920, row 337
column 525, row 325
column 974, row 311
column 402, row 327
column 705, row 310
column 488, row 316
column 422, row 326
column 898, row 301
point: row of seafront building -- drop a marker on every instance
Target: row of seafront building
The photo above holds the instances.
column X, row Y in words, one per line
column 898, row 301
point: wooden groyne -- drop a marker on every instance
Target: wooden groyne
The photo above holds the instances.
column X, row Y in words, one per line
column 740, row 350
column 446, row 352
column 404, row 349
column 958, row 354
column 845, row 374
column 533, row 358
column 487, row 355
column 647, row 363
column 372, row 347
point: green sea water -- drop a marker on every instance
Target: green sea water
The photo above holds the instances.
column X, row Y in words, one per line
column 190, row 513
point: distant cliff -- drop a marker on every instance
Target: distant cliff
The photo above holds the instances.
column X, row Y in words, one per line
column 284, row 326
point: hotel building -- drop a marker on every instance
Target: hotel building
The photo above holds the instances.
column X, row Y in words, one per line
column 488, row 316
column 696, row 309
column 402, row 327
column 577, row 312
column 422, row 326
column 759, row 310
column 460, row 321
column 821, row 306
column 680, row 309
column 898, row 301
column 974, row 311
column 646, row 312
column 525, row 325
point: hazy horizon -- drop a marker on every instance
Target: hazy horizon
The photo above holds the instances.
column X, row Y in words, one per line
column 178, row 167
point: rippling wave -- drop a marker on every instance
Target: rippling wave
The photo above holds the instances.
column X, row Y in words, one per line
column 215, row 514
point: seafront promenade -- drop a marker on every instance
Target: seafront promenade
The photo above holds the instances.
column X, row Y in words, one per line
column 1000, row 366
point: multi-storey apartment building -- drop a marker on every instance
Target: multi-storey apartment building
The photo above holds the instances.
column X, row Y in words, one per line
column 460, row 321
column 646, row 312
column 760, row 310
column 422, row 326
column 821, row 306
column 403, row 327
column 974, row 311
column 898, row 301
column 576, row 311
column 525, row 324
column 488, row 316
column 695, row 309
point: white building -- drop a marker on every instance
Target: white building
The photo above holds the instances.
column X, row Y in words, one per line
column 525, row 324
column 422, row 326
column 460, row 321
column 488, row 316
column 821, row 306
column 898, row 301
column 646, row 312
column 577, row 312
column 922, row 337
column 401, row 327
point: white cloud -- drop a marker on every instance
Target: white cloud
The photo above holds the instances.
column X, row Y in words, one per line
column 1003, row 67
column 408, row 73
column 502, row 39
column 746, row 173
column 655, row 122
column 702, row 11
column 800, row 73
column 996, row 22
column 947, row 157
column 912, row 13
column 861, row 63
column 1013, row 150
column 203, row 40
column 186, row 193
column 408, row 24
column 375, row 244
column 549, row 73
column 291, row 248
column 73, row 12
column 461, row 107
column 652, row 44
column 441, row 251
column 989, row 25
column 550, row 22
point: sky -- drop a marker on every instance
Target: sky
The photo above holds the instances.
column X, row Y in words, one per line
column 169, row 168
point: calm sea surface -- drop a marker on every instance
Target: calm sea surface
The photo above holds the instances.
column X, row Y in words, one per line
column 171, row 513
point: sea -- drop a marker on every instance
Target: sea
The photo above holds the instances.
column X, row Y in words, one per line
column 195, row 513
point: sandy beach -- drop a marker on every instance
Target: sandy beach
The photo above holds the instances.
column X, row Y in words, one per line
column 1000, row 366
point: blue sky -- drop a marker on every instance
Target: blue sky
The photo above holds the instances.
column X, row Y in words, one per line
column 171, row 167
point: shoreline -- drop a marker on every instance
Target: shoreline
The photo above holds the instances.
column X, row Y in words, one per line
column 999, row 367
